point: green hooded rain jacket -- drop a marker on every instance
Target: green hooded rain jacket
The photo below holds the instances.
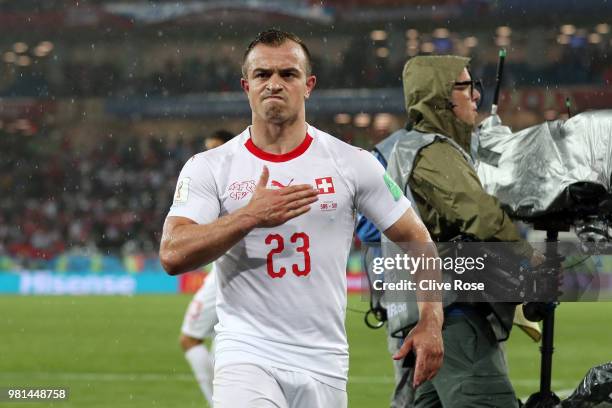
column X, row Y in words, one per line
column 445, row 186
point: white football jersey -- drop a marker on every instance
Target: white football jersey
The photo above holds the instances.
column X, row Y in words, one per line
column 281, row 296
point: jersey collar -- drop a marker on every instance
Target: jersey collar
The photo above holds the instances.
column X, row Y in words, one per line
column 278, row 158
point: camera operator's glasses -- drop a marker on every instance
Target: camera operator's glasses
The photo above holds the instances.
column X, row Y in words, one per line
column 474, row 84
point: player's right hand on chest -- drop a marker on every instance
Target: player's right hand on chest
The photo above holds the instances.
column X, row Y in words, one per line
column 270, row 208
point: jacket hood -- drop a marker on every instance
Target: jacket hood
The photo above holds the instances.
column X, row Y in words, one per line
column 428, row 83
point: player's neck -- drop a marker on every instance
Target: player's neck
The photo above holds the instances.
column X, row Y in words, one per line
column 278, row 138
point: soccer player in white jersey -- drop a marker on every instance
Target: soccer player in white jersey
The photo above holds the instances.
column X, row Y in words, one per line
column 201, row 314
column 198, row 325
column 275, row 209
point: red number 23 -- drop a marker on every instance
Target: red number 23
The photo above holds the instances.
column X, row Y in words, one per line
column 280, row 246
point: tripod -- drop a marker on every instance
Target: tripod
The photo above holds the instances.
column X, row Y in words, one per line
column 536, row 311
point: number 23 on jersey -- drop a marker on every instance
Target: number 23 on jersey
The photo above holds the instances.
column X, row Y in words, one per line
column 277, row 243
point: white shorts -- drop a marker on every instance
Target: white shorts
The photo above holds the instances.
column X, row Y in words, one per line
column 253, row 386
column 201, row 315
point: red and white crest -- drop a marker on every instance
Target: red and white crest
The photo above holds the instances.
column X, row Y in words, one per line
column 240, row 189
column 325, row 185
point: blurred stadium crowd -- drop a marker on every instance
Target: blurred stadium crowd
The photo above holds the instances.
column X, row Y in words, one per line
column 109, row 198
column 365, row 61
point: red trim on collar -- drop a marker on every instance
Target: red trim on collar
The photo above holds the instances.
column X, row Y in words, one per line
column 277, row 158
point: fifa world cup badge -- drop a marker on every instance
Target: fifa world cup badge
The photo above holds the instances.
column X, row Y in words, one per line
column 182, row 190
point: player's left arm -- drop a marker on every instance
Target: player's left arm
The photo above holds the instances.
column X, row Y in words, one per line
column 425, row 339
column 383, row 202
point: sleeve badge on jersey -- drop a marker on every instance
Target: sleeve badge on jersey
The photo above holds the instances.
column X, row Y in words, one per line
column 325, row 185
column 182, row 190
column 396, row 192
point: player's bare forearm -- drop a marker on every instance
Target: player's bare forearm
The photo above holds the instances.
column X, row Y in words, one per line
column 426, row 337
column 410, row 234
column 432, row 314
column 186, row 245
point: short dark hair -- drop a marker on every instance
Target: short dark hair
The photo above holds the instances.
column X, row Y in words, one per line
column 276, row 38
column 221, row 134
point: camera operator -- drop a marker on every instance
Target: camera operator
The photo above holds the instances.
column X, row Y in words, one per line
column 432, row 165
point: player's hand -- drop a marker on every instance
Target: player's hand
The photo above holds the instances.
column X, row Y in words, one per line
column 425, row 339
column 537, row 259
column 271, row 208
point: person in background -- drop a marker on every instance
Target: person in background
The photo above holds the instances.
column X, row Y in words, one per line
column 430, row 162
column 217, row 138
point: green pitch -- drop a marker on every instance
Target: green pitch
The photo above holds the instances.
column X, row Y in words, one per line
column 123, row 351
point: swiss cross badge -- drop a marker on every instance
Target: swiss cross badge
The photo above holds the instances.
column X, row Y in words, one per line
column 325, row 185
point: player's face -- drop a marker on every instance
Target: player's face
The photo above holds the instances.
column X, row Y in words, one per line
column 276, row 82
column 465, row 100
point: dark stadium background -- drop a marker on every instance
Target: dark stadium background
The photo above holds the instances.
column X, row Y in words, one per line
column 101, row 102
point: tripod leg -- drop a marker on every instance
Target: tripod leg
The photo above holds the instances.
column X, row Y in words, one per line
column 545, row 398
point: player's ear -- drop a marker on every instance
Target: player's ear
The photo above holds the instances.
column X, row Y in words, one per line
column 244, row 84
column 310, row 84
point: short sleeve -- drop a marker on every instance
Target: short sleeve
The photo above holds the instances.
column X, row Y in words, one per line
column 195, row 196
column 376, row 194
